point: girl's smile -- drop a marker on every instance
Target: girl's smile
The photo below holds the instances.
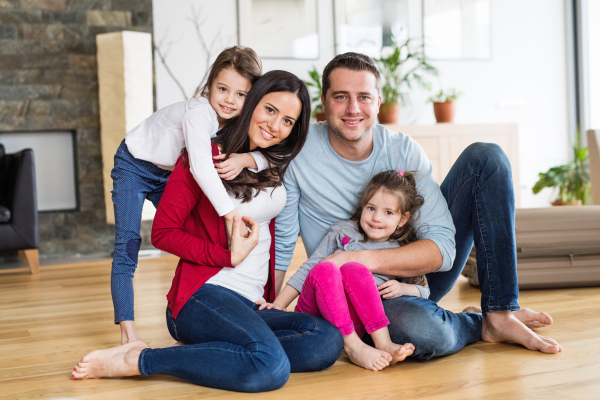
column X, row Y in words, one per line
column 381, row 216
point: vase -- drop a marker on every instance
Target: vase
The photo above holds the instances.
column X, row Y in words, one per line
column 321, row 116
column 562, row 203
column 388, row 113
column 444, row 112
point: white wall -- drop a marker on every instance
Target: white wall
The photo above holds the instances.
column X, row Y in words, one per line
column 527, row 70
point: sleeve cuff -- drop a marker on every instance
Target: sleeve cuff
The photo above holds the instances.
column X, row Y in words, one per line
column 425, row 292
column 222, row 257
column 260, row 161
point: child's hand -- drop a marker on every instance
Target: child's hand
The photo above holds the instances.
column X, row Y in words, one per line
column 232, row 167
column 269, row 306
column 391, row 289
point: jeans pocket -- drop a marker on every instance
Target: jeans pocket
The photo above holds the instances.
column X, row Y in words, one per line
column 171, row 325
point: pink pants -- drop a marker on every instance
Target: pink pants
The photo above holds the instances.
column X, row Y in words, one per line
column 346, row 296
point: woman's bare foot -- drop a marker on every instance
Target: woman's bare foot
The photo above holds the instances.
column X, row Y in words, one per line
column 504, row 326
column 364, row 355
column 397, row 351
column 118, row 361
column 473, row 309
column 533, row 319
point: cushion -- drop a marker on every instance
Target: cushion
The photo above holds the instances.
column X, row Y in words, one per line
column 4, row 215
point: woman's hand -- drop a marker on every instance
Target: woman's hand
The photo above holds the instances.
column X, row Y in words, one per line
column 232, row 167
column 229, row 222
column 241, row 246
column 269, row 306
column 391, row 289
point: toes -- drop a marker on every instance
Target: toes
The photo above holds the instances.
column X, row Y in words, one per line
column 386, row 356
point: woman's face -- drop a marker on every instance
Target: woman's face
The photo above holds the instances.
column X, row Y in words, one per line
column 273, row 119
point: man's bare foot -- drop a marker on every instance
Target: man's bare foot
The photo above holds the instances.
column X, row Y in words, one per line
column 504, row 326
column 533, row 319
column 118, row 361
column 530, row 318
column 364, row 355
column 398, row 352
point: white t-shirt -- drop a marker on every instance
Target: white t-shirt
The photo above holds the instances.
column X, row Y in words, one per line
column 250, row 276
column 191, row 124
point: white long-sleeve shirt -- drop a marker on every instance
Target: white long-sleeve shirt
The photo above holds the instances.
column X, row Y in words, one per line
column 191, row 124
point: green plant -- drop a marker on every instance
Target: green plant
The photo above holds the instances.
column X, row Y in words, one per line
column 315, row 83
column 571, row 179
column 403, row 65
column 448, row 95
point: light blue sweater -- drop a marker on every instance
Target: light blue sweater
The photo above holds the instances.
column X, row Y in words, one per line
column 323, row 187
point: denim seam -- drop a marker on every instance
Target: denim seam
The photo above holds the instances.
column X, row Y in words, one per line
column 222, row 316
column 175, row 329
column 306, row 333
column 491, row 294
column 141, row 363
column 463, row 185
column 509, row 307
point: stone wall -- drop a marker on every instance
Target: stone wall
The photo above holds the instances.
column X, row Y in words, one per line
column 48, row 81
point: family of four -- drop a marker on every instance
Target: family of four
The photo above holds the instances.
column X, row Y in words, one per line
column 237, row 172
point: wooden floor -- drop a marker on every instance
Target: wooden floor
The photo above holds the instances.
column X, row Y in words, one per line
column 48, row 322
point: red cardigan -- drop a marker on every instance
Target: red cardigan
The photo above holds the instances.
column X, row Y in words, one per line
column 187, row 225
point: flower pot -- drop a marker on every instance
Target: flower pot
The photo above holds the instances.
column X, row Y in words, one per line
column 388, row 113
column 562, row 203
column 444, row 112
column 321, row 116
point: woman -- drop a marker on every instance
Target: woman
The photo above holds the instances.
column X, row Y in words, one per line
column 229, row 343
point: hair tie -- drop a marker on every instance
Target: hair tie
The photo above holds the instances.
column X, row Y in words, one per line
column 401, row 173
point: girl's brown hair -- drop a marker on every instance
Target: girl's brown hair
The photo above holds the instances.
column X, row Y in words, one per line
column 242, row 60
column 404, row 187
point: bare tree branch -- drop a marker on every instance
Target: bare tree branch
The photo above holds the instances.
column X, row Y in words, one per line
column 164, row 63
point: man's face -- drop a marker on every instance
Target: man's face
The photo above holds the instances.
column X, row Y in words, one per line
column 351, row 103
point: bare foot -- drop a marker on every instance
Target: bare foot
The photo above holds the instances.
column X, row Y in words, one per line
column 398, row 352
column 364, row 355
column 118, row 361
column 533, row 319
column 504, row 326
column 530, row 318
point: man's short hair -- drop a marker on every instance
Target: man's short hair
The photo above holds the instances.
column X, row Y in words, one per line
column 354, row 62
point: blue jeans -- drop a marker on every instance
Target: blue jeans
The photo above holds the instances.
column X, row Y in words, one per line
column 231, row 345
column 479, row 193
column 133, row 181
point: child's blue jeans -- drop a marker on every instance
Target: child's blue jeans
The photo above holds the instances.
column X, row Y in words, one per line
column 133, row 181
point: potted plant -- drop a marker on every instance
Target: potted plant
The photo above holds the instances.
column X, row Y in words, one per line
column 443, row 105
column 571, row 179
column 315, row 83
column 402, row 65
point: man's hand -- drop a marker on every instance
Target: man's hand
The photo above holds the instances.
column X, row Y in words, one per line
column 342, row 257
column 128, row 332
column 232, row 167
column 269, row 306
column 240, row 246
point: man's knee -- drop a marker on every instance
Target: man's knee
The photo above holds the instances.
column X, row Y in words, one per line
column 488, row 154
column 422, row 323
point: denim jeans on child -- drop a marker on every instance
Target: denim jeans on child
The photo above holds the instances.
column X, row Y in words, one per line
column 479, row 193
column 133, row 181
column 231, row 345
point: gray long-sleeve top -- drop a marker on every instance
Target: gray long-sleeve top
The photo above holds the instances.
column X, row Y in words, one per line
column 334, row 241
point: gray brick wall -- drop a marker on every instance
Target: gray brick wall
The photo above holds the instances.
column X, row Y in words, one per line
column 48, row 81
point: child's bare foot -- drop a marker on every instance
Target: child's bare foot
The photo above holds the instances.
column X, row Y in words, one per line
column 364, row 355
column 504, row 326
column 397, row 351
column 118, row 361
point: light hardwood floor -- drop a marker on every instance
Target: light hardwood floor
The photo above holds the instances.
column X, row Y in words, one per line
column 48, row 321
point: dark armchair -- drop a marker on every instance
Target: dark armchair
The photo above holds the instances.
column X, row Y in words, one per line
column 18, row 206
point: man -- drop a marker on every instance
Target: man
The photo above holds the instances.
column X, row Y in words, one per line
column 474, row 204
